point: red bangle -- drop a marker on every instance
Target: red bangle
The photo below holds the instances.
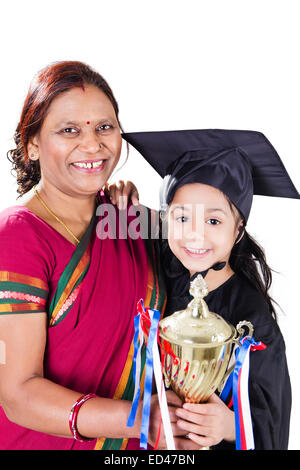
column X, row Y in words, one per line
column 73, row 417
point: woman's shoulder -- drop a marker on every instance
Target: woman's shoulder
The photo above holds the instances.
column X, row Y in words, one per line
column 23, row 238
column 14, row 215
column 15, row 219
column 26, row 263
column 19, row 223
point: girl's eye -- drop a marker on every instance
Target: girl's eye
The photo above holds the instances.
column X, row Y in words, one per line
column 213, row 222
column 182, row 219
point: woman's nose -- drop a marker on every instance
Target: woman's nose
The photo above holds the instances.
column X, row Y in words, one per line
column 90, row 142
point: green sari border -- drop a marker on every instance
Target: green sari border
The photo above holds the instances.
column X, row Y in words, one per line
column 157, row 301
column 77, row 256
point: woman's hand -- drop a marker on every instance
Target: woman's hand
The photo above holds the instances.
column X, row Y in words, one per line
column 122, row 192
column 181, row 442
column 207, row 424
column 173, row 403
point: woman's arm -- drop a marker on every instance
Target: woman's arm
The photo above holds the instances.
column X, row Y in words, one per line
column 32, row 401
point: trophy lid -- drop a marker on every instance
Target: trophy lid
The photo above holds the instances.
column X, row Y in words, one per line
column 196, row 325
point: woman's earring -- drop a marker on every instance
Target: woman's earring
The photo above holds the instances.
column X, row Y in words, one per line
column 34, row 156
column 101, row 146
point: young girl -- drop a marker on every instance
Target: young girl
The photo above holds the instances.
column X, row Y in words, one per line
column 210, row 177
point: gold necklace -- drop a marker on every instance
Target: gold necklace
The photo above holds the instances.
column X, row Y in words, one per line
column 55, row 216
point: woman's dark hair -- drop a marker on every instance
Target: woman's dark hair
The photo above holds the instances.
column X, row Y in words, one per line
column 46, row 85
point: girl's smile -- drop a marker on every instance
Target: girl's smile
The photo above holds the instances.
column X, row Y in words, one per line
column 202, row 227
column 197, row 253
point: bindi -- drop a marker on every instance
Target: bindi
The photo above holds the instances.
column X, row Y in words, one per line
column 88, row 123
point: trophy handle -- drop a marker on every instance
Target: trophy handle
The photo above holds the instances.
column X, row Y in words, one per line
column 241, row 330
column 241, row 333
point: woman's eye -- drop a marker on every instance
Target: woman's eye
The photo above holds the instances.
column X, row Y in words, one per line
column 69, row 130
column 105, row 127
column 213, row 221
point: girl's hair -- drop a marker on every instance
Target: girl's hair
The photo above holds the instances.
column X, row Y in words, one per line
column 46, row 85
column 248, row 260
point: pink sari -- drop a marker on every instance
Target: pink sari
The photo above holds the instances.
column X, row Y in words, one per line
column 90, row 293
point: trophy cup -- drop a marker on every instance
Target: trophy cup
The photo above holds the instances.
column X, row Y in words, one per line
column 196, row 347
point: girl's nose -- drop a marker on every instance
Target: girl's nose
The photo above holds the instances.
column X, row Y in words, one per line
column 197, row 226
column 195, row 235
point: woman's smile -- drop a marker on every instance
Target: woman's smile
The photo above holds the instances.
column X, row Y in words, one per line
column 89, row 166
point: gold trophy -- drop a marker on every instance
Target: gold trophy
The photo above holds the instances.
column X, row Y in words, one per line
column 197, row 346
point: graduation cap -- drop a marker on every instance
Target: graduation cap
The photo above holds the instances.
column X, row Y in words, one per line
column 239, row 163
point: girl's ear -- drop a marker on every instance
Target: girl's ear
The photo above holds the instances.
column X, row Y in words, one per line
column 163, row 215
column 241, row 232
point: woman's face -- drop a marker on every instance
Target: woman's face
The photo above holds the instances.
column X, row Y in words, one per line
column 202, row 228
column 79, row 143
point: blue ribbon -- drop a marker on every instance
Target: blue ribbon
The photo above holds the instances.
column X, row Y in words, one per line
column 239, row 364
column 227, row 387
column 136, row 343
column 247, row 343
column 148, row 375
column 232, row 383
column 148, row 380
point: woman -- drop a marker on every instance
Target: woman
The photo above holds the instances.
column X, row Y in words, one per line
column 68, row 297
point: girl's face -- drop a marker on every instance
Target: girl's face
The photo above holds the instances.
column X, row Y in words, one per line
column 79, row 143
column 202, row 227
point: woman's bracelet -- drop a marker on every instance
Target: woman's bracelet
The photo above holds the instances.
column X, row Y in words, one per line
column 73, row 417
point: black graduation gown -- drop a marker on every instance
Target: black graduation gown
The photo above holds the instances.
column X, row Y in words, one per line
column 269, row 382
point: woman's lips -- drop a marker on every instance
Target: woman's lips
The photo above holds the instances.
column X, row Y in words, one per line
column 89, row 166
column 197, row 252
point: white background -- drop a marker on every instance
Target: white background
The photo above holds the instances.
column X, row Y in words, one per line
column 229, row 64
